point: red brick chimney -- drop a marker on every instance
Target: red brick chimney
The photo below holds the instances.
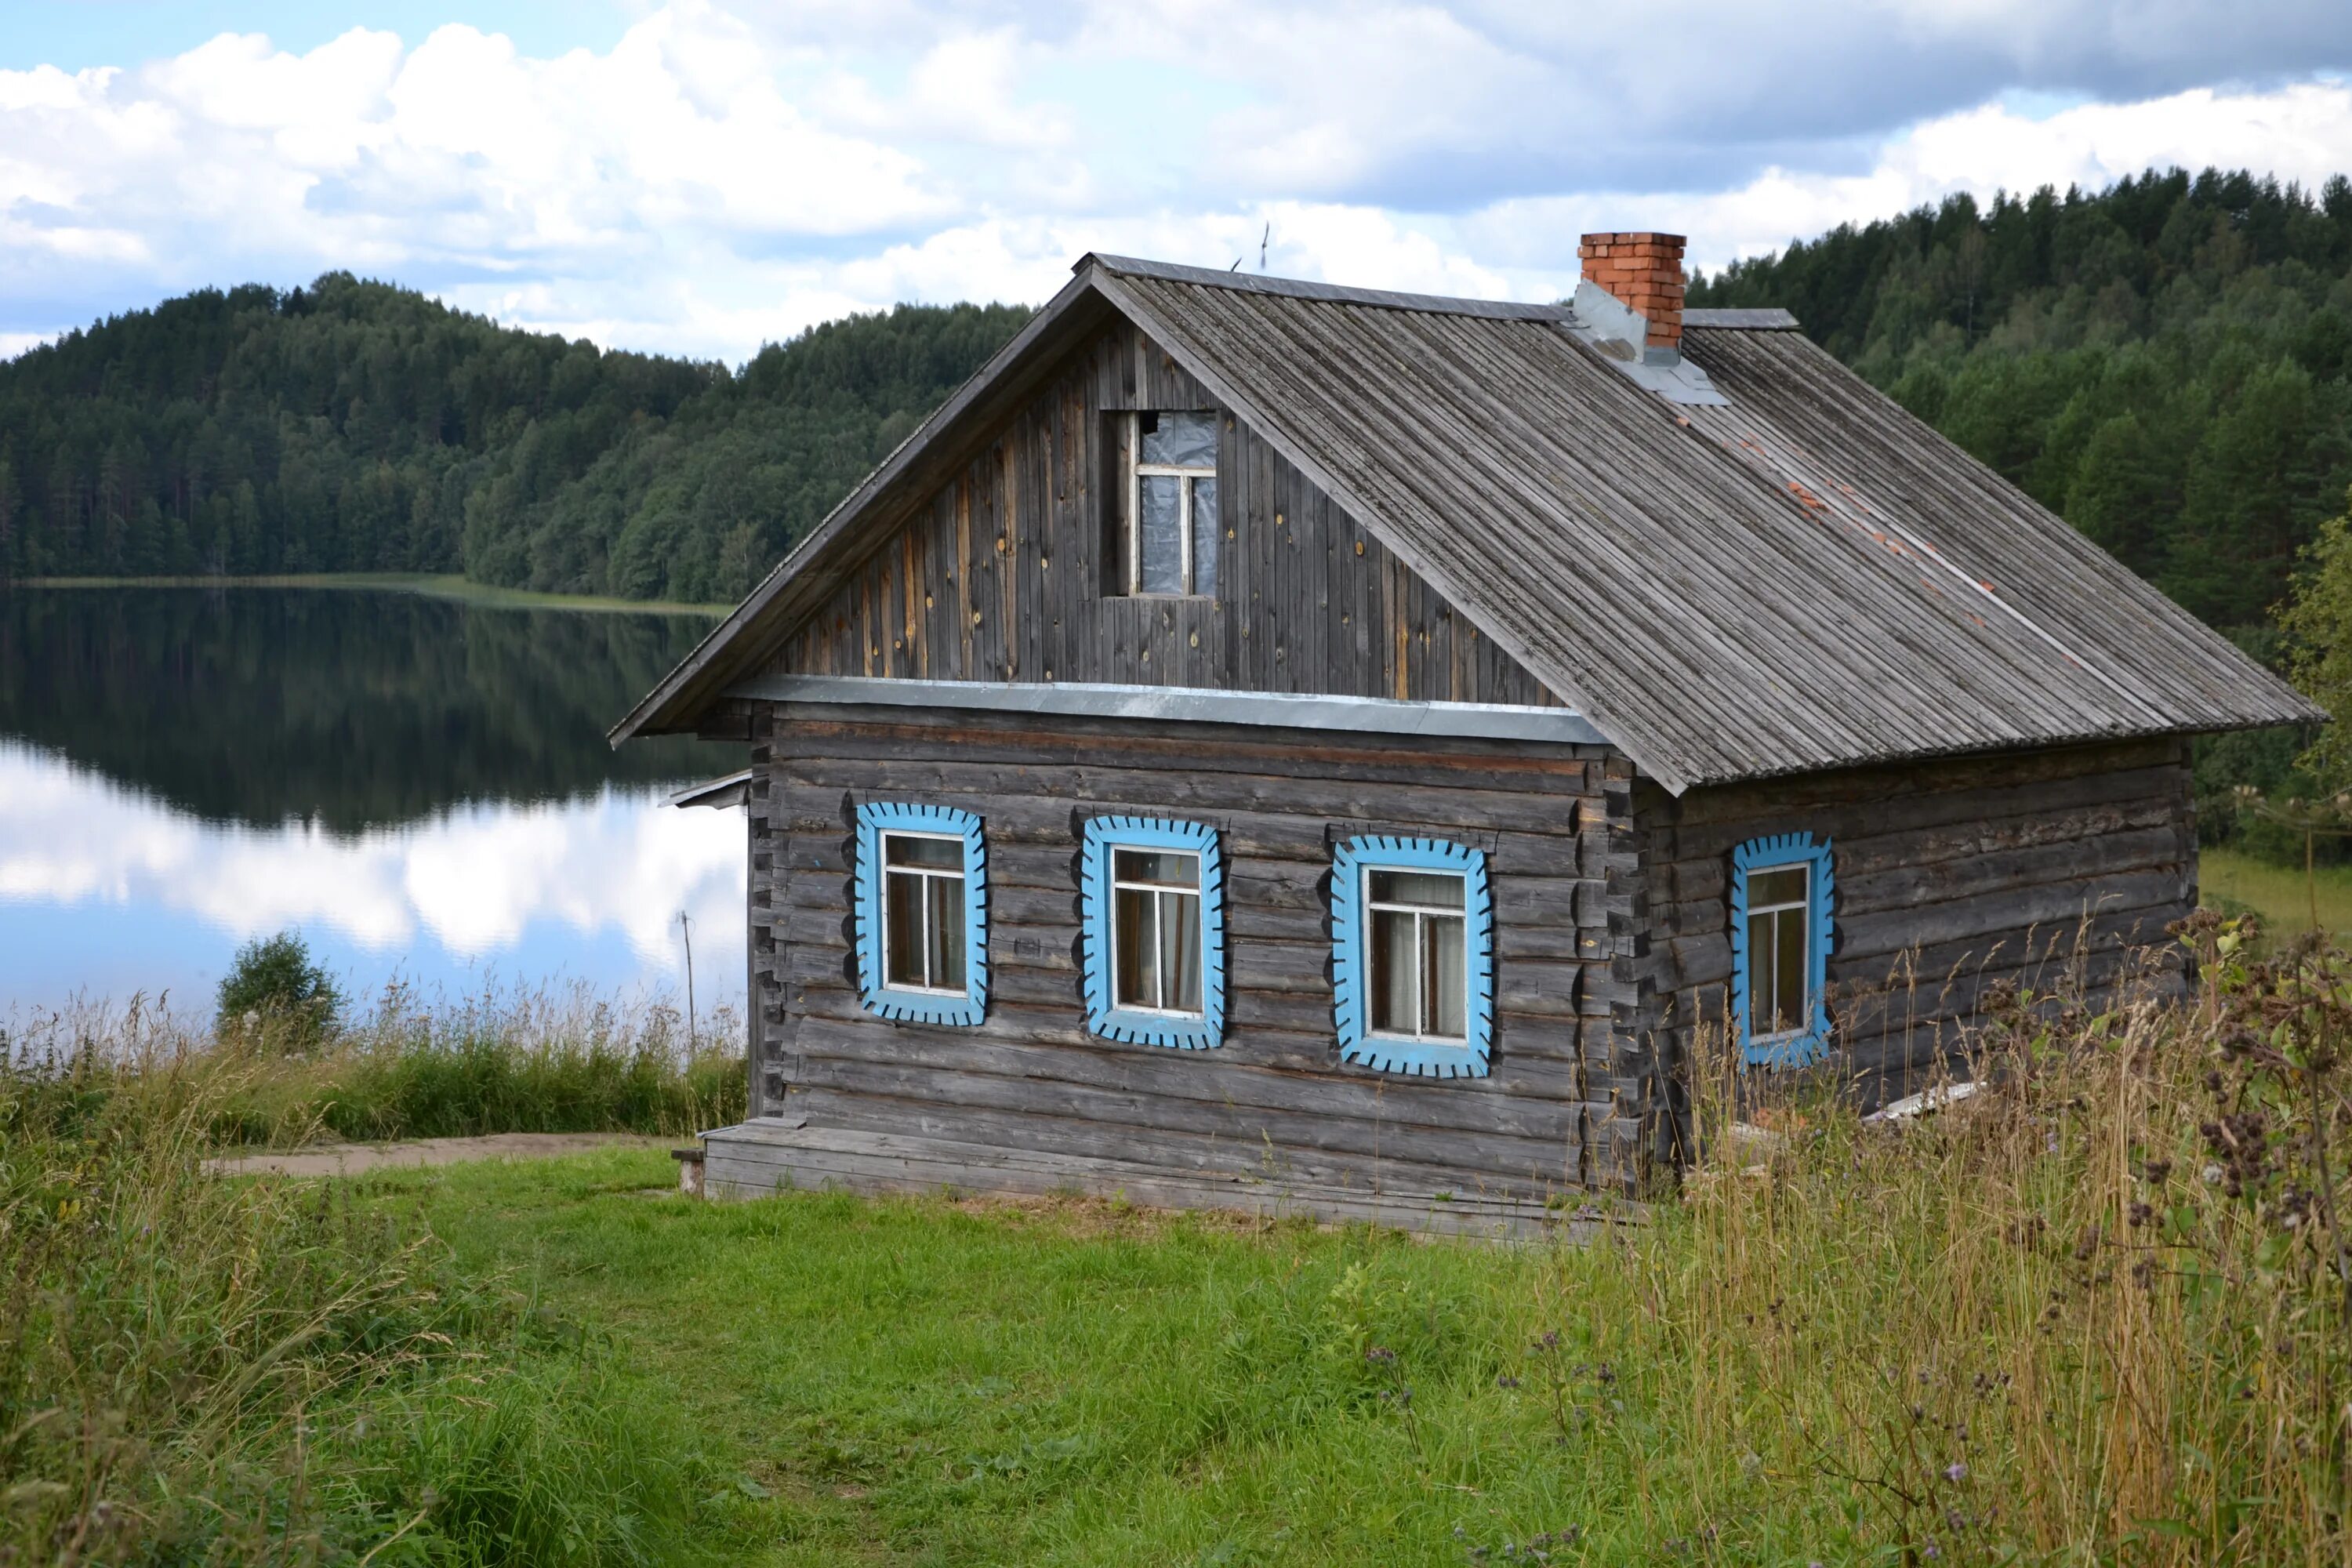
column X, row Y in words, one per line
column 1644, row 273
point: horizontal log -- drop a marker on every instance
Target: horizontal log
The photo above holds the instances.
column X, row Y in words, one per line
column 1962, row 785
column 2015, row 910
column 1086, row 1138
column 1863, row 1014
column 1283, row 1132
column 1692, row 867
column 807, row 726
column 1104, row 790
column 758, row 1159
column 1124, row 744
column 1055, row 827
column 1529, row 1103
column 2089, row 865
column 1287, row 1023
column 1701, row 961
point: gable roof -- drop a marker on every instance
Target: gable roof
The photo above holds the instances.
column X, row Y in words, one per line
column 1799, row 576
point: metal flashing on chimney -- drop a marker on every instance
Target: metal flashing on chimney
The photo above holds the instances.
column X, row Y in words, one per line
column 1615, row 331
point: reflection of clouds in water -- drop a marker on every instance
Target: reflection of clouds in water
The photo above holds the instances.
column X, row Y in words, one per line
column 473, row 880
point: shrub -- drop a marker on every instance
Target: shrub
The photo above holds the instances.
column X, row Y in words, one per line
column 273, row 985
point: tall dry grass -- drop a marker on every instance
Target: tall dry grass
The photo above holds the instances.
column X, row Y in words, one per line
column 511, row 1059
column 2098, row 1312
column 201, row 1371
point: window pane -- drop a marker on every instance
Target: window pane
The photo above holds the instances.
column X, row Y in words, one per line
column 1179, row 951
column 1789, row 992
column 1168, row 868
column 1182, row 440
column 1135, row 971
column 901, row 850
column 1761, row 970
column 1446, row 976
column 902, row 927
column 1786, row 886
column 947, row 932
column 1393, row 964
column 1208, row 532
column 1161, row 534
column 1442, row 889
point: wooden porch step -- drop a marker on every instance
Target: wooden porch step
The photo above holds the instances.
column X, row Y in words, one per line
column 774, row 1153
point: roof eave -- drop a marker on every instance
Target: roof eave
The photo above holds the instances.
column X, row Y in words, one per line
column 2306, row 712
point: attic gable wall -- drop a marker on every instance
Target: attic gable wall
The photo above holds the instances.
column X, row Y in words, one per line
column 999, row 576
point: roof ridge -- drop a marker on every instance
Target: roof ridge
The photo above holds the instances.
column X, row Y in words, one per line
column 1300, row 288
column 1740, row 318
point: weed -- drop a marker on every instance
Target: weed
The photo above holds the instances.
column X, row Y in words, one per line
column 194, row 1370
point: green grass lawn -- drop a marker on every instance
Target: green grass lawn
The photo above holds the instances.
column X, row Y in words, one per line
column 1998, row 1336
column 2228, row 880
column 2046, row 1326
column 919, row 1382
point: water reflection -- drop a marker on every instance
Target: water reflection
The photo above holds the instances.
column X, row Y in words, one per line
column 421, row 787
column 356, row 707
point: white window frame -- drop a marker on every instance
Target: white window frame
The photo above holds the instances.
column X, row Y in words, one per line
column 888, row 872
column 1422, row 914
column 1188, row 479
column 1159, row 891
column 1770, row 974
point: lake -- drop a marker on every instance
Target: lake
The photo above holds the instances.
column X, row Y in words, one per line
column 419, row 785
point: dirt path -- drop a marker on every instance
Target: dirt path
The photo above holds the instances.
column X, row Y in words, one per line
column 350, row 1159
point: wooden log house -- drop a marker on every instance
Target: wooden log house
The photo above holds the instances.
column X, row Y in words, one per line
column 1274, row 744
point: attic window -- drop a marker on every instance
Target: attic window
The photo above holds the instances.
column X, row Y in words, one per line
column 1168, row 518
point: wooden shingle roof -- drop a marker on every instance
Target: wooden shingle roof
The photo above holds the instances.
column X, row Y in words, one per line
column 1803, row 577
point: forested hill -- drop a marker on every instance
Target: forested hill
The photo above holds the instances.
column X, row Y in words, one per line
column 2164, row 363
column 357, row 426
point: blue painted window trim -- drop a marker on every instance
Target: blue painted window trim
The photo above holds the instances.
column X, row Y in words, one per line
column 878, row 817
column 1104, row 834
column 1358, row 1044
column 1803, row 1047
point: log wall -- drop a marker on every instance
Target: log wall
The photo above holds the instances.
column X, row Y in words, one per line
column 2044, row 870
column 1002, row 577
column 1557, row 826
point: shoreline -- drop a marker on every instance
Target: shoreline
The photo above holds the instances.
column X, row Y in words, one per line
column 431, row 585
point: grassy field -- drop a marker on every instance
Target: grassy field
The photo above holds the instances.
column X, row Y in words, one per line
column 439, row 586
column 2027, row 1330
column 2277, row 893
column 2094, row 1315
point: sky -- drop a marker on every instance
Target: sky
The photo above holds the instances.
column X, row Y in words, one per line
column 703, row 176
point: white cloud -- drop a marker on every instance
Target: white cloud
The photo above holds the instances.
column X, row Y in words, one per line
column 729, row 173
column 458, row 151
column 472, row 883
column 2301, row 133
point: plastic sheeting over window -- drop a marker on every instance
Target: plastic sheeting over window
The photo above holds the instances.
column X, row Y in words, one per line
column 1172, row 526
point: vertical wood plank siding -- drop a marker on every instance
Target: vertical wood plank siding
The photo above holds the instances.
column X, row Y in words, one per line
column 2040, row 869
column 1273, row 1098
column 1000, row 577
